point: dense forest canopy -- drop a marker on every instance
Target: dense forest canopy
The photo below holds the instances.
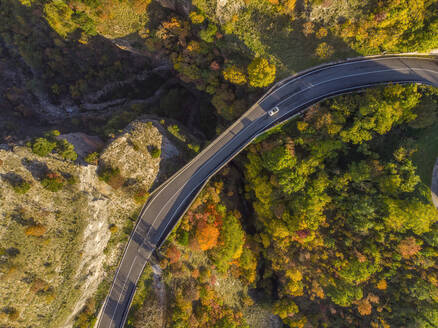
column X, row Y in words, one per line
column 346, row 225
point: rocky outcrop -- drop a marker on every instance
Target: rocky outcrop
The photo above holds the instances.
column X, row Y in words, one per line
column 84, row 144
column 183, row 7
column 226, row 9
column 434, row 185
column 131, row 151
column 56, row 247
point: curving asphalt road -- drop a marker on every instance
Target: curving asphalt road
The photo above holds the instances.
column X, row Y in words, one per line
column 170, row 201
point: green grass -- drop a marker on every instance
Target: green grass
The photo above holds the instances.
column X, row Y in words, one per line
column 427, row 152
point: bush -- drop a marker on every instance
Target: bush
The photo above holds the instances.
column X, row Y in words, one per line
column 209, row 33
column 53, row 181
column 107, row 172
column 66, row 150
column 43, row 147
column 21, row 187
column 39, row 286
column 12, row 313
column 194, row 147
column 113, row 228
column 234, row 75
column 36, row 230
column 261, row 73
column 155, row 152
column 111, row 176
column 196, row 18
column 183, row 238
column 92, row 158
column 174, row 130
column 324, row 50
column 140, row 196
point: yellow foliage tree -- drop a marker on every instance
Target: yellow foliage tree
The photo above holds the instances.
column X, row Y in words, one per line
column 261, row 73
column 364, row 307
column 234, row 75
column 382, row 284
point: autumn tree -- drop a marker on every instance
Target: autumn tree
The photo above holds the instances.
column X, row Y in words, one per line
column 234, row 75
column 261, row 73
column 206, row 235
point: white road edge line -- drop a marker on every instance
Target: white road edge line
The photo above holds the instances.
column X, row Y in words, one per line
column 123, row 288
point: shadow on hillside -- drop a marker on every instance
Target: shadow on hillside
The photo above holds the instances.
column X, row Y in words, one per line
column 36, row 168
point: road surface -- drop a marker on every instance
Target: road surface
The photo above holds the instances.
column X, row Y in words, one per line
column 170, row 201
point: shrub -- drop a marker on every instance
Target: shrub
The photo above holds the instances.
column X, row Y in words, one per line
column 66, row 150
column 194, row 147
column 140, row 196
column 53, row 181
column 113, row 228
column 39, row 286
column 196, row 18
column 155, row 152
column 43, row 147
column 107, row 172
column 322, row 33
column 183, row 238
column 111, row 176
column 36, row 230
column 261, row 73
column 92, row 158
column 234, row 75
column 51, row 134
column 21, row 187
column 174, row 130
column 12, row 313
column 58, row 15
column 209, row 33
column 324, row 50
column 84, row 22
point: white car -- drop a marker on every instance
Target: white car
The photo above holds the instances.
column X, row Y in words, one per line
column 273, row 111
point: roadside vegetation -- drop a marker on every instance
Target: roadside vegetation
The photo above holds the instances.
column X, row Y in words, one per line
column 346, row 227
column 343, row 230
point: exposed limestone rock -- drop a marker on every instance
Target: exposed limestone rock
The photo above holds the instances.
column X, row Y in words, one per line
column 48, row 278
column 434, row 186
column 225, row 9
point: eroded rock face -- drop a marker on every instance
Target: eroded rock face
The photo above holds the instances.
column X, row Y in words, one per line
column 434, row 185
column 47, row 275
column 131, row 152
column 84, row 143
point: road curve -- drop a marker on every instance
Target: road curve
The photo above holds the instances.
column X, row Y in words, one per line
column 170, row 201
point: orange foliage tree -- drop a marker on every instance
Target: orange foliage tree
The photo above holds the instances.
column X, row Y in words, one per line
column 206, row 235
